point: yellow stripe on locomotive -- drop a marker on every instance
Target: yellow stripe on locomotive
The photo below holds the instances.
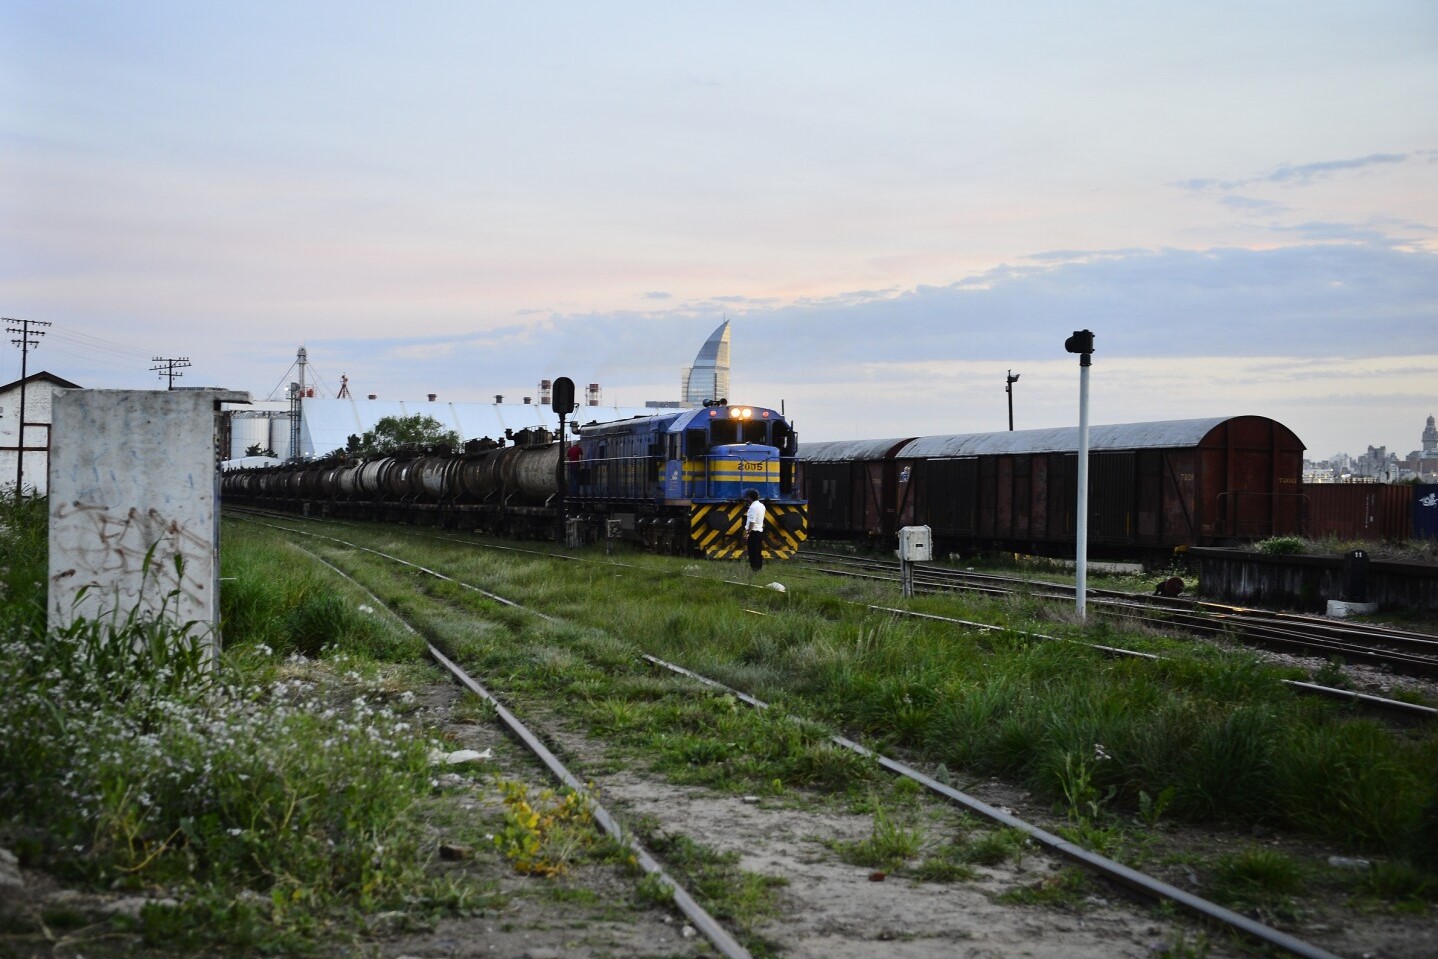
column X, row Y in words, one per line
column 732, row 470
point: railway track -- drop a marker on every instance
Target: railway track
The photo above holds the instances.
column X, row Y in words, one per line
column 1400, row 651
column 1111, row 870
column 721, row 938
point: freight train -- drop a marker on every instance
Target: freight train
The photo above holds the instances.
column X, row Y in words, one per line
column 1153, row 487
column 674, row 481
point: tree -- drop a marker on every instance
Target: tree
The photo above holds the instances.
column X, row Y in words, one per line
column 255, row 449
column 395, row 432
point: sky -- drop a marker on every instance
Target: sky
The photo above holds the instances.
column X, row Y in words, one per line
column 895, row 204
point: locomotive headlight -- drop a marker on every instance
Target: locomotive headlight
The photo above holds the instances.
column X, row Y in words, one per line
column 735, row 412
column 748, row 414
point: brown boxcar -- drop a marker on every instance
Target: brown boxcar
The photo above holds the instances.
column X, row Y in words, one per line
column 1152, row 486
column 847, row 483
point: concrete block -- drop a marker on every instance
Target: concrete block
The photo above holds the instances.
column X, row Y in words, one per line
column 1339, row 609
column 134, row 506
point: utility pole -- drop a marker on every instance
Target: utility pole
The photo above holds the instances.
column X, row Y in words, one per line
column 1009, row 389
column 28, row 339
column 168, row 367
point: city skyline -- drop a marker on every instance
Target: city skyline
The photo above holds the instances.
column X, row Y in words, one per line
column 894, row 207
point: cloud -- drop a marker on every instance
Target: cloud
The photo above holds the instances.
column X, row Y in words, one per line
column 1298, row 174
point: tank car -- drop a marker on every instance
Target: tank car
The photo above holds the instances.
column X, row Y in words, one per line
column 674, row 481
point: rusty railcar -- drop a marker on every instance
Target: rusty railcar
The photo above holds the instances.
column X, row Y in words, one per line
column 1358, row 511
column 1152, row 486
column 847, row 486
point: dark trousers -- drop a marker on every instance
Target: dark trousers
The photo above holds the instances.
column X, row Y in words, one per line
column 756, row 550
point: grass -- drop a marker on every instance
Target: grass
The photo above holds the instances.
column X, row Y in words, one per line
column 127, row 764
column 890, row 846
column 734, row 896
column 1207, row 735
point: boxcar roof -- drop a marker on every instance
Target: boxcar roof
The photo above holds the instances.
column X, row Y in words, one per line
column 1163, row 434
column 837, row 451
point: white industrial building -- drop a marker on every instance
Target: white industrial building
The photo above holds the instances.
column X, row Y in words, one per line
column 33, row 443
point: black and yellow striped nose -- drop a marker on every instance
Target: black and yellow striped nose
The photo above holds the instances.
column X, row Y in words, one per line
column 717, row 529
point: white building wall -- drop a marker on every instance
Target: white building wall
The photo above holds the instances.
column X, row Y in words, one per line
column 39, row 396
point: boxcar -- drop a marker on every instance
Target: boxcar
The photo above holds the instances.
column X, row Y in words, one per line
column 1152, row 486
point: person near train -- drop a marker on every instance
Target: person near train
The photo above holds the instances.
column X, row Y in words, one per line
column 754, row 529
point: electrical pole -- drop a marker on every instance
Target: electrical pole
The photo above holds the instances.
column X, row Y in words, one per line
column 28, row 339
column 168, row 366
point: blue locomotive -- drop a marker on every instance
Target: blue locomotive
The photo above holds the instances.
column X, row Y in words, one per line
column 678, row 479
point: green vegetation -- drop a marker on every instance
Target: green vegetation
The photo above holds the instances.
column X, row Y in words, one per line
column 392, row 433
column 128, row 763
column 1206, row 735
column 185, row 782
column 1281, row 545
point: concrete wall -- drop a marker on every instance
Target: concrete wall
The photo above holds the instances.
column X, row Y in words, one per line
column 134, row 506
column 1307, row 583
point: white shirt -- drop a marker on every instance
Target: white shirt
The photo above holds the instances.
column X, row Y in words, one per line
column 754, row 517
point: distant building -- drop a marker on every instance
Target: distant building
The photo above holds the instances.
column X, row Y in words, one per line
column 708, row 378
column 32, row 441
column 1376, row 466
column 1423, row 464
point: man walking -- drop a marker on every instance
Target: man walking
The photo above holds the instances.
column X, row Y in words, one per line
column 754, row 527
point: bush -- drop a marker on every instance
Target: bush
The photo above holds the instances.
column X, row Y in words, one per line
column 1280, row 545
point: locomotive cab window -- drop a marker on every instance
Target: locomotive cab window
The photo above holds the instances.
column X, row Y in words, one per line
column 696, row 442
column 754, row 431
column 784, row 437
column 724, row 432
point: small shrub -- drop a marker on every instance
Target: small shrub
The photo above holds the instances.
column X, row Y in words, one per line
column 1262, row 877
column 888, row 847
column 1280, row 545
column 544, row 837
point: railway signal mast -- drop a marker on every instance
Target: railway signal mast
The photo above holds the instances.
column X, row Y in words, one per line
column 1082, row 344
column 1009, row 389
column 563, row 404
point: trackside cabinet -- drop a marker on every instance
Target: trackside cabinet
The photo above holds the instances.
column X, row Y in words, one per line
column 916, row 544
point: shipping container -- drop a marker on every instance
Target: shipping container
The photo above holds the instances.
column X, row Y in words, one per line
column 1366, row 511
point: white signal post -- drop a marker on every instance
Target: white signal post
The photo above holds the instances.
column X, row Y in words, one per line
column 1082, row 343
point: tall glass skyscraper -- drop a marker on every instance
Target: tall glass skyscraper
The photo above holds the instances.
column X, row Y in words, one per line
column 708, row 378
